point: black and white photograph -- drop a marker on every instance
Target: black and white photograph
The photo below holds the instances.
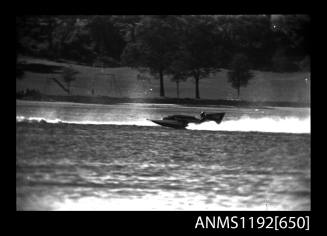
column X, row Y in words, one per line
column 163, row 112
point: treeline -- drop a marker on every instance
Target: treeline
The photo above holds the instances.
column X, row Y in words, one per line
column 174, row 46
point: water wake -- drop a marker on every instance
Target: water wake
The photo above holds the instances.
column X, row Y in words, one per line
column 82, row 122
column 243, row 124
column 264, row 124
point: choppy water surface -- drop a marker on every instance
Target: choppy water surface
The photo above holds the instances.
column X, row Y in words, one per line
column 109, row 157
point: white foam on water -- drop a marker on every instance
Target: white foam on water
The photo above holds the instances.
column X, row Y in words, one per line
column 264, row 124
column 243, row 124
column 162, row 201
column 141, row 122
column 36, row 119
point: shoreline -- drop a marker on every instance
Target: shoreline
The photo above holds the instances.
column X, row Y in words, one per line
column 181, row 101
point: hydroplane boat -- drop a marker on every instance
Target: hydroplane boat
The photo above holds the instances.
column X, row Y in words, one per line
column 181, row 121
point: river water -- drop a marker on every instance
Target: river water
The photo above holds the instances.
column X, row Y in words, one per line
column 72, row 156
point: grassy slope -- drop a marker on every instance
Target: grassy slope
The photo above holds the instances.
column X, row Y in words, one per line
column 266, row 86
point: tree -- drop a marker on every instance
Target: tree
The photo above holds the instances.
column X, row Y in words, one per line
column 60, row 37
column 199, row 47
column 68, row 75
column 107, row 36
column 153, row 47
column 247, row 34
column 45, row 35
column 28, row 34
column 127, row 25
column 292, row 39
column 177, row 78
column 240, row 73
column 296, row 29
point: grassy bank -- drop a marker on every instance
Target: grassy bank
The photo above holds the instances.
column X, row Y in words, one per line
column 121, row 84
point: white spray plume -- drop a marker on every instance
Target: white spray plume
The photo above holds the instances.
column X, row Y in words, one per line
column 264, row 124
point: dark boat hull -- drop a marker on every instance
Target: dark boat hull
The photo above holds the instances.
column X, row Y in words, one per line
column 171, row 123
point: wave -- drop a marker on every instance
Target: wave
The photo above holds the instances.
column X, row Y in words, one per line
column 243, row 124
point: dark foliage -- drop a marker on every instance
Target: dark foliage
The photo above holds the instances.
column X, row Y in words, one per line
column 240, row 73
column 169, row 45
column 39, row 68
